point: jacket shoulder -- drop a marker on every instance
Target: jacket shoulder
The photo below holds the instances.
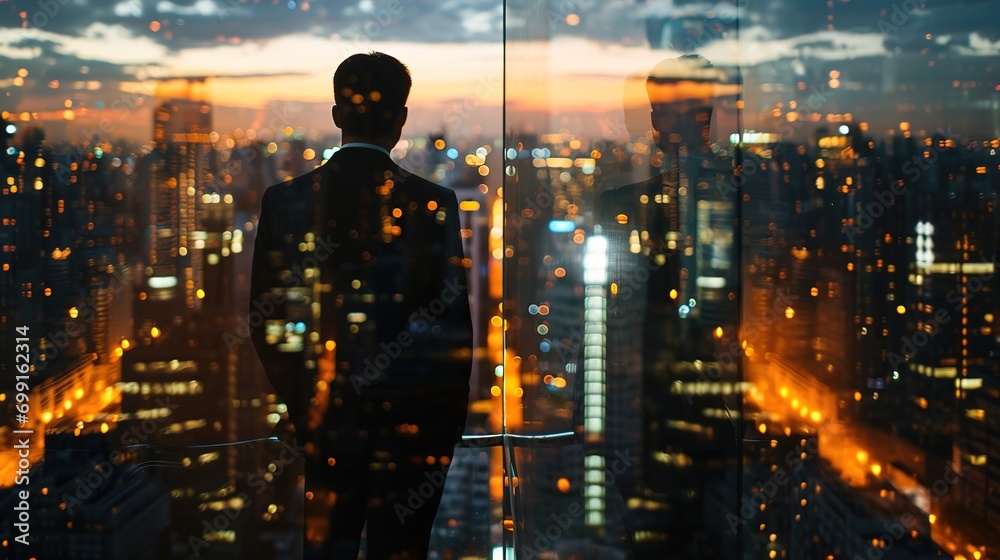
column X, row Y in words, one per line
column 294, row 187
column 425, row 188
column 626, row 198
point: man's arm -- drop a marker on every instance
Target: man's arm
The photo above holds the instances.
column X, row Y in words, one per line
column 458, row 316
column 263, row 277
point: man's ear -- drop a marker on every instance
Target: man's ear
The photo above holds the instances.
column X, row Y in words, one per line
column 335, row 110
column 401, row 119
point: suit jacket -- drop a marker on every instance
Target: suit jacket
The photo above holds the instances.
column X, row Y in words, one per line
column 359, row 274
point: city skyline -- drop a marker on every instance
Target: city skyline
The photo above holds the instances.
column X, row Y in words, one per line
column 560, row 142
column 740, row 305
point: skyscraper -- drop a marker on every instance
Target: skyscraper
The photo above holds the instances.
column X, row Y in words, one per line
column 179, row 175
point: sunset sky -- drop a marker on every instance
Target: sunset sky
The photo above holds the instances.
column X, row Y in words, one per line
column 86, row 53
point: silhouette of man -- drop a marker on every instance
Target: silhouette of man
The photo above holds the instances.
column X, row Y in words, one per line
column 660, row 247
column 359, row 274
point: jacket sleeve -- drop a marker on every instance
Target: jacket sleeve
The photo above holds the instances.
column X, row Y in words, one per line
column 458, row 315
column 263, row 277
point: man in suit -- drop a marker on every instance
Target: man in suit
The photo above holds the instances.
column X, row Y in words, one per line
column 656, row 251
column 359, row 272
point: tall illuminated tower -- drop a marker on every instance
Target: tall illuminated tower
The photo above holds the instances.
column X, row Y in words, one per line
column 180, row 176
column 595, row 275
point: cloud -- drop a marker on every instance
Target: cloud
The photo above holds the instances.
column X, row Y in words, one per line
column 179, row 24
column 128, row 9
column 54, row 57
column 204, row 8
column 976, row 16
column 443, row 41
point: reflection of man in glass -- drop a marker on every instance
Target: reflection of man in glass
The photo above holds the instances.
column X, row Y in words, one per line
column 361, row 318
column 670, row 274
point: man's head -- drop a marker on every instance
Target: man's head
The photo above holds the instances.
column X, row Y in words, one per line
column 370, row 91
column 681, row 93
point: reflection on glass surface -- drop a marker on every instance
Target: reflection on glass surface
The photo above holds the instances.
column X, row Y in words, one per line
column 841, row 198
column 634, row 237
column 763, row 330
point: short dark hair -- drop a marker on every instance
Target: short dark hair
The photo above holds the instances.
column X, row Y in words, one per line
column 371, row 90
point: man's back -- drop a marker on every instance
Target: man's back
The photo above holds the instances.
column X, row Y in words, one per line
column 391, row 289
column 370, row 341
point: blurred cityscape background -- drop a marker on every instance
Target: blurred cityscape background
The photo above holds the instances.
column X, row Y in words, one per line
column 766, row 327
